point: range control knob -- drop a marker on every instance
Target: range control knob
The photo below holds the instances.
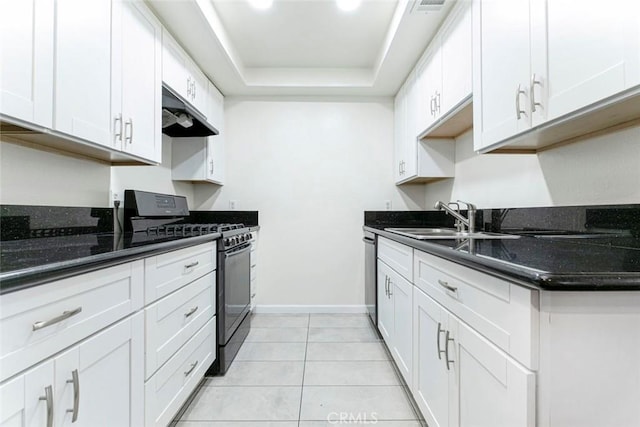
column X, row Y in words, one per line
column 242, row 238
column 227, row 241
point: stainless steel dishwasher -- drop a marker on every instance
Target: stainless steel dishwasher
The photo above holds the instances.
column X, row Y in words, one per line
column 370, row 280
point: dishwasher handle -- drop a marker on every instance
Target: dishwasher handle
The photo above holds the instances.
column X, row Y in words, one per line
column 368, row 240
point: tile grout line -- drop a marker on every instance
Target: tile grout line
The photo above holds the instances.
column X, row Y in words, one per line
column 304, row 368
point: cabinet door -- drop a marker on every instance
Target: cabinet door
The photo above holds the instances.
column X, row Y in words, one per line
column 456, row 59
column 593, row 52
column 110, row 378
column 198, row 90
column 215, row 145
column 432, row 84
column 402, row 296
column 83, row 69
column 141, row 82
column 493, row 389
column 21, row 401
column 410, row 140
column 174, row 71
column 399, row 128
column 501, row 70
column 430, row 376
column 385, row 304
column 26, row 58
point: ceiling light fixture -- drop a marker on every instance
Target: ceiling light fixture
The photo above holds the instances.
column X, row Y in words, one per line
column 261, row 4
column 348, row 5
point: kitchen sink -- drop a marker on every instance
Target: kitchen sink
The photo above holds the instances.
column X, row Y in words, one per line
column 447, row 233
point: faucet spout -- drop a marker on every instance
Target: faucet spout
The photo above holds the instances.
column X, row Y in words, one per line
column 471, row 211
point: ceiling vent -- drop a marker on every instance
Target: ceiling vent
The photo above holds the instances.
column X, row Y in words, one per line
column 426, row 6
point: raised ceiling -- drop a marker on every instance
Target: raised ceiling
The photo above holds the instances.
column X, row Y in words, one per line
column 302, row 47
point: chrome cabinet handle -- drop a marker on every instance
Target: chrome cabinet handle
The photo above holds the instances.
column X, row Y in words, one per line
column 519, row 112
column 189, row 86
column 75, row 380
column 447, row 286
column 390, row 287
column 193, row 264
column 431, row 107
column 440, row 330
column 117, row 130
column 534, row 82
column 48, row 397
column 65, row 315
column 437, row 103
column 211, row 163
column 446, row 349
column 193, row 366
column 128, row 124
column 190, row 312
column 194, row 89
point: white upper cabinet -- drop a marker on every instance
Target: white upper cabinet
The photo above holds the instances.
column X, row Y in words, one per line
column 83, row 70
column 445, row 78
column 26, row 61
column 593, row 51
column 502, row 68
column 182, row 75
column 216, row 144
column 399, row 132
column 431, row 88
column 456, row 57
column 545, row 72
column 137, row 82
column 202, row 158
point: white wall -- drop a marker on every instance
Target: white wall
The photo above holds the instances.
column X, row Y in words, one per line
column 595, row 171
column 156, row 179
column 310, row 169
column 30, row 176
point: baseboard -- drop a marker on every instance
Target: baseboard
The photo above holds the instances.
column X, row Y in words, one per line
column 288, row 309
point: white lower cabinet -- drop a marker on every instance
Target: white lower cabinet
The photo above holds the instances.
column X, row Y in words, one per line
column 98, row 382
column 168, row 389
column 461, row 379
column 27, row 398
column 395, row 298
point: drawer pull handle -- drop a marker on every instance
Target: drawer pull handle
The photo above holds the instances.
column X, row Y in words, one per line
column 193, row 264
column 65, row 315
column 193, row 310
column 447, row 286
column 193, row 366
column 446, row 349
column 75, row 380
column 440, row 330
column 48, row 397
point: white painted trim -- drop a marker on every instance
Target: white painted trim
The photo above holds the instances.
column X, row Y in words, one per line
column 281, row 309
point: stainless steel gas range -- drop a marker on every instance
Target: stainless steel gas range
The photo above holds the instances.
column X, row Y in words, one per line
column 152, row 217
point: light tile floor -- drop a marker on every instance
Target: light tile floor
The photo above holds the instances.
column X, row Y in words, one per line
column 304, row 370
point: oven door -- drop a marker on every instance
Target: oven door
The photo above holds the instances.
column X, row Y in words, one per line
column 237, row 288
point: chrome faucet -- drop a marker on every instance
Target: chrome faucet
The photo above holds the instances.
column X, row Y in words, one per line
column 461, row 221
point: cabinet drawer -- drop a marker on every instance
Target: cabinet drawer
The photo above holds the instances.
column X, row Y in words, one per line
column 170, row 271
column 397, row 256
column 103, row 296
column 505, row 313
column 174, row 319
column 167, row 389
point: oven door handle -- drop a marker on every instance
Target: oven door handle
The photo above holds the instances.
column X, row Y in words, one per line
column 237, row 251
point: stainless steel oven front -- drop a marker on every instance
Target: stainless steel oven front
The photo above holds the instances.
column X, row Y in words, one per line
column 233, row 301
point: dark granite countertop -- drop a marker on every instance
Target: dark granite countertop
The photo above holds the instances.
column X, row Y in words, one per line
column 30, row 262
column 608, row 260
column 41, row 244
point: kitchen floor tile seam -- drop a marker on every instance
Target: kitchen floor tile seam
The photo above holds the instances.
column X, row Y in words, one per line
column 304, row 367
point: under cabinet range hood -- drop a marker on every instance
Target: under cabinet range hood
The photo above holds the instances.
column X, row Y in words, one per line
column 180, row 120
